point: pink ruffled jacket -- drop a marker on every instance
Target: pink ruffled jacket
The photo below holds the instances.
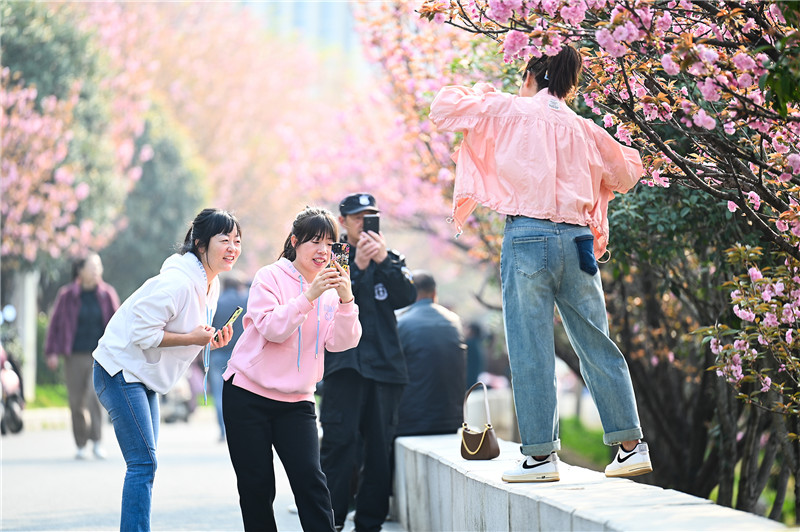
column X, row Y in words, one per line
column 533, row 156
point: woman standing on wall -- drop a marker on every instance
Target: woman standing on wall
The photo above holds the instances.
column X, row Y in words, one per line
column 552, row 173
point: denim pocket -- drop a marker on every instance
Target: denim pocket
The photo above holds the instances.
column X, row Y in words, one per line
column 585, row 245
column 98, row 378
column 530, row 255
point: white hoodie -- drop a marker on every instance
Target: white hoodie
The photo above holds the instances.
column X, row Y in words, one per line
column 174, row 300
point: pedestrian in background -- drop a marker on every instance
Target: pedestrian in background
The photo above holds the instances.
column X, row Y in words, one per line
column 153, row 339
column 234, row 294
column 476, row 353
column 362, row 386
column 300, row 311
column 433, row 343
column 80, row 314
column 552, row 173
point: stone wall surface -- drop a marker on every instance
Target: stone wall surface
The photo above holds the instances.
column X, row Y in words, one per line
column 437, row 490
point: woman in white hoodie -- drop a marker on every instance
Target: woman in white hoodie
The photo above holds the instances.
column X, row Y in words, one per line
column 298, row 307
column 152, row 340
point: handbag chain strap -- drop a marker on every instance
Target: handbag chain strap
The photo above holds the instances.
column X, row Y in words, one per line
column 483, row 435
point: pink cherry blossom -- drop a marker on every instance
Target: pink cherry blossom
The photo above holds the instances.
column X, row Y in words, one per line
column 793, row 160
column 754, row 199
column 515, row 41
column 702, row 119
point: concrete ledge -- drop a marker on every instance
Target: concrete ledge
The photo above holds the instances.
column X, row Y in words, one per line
column 437, row 490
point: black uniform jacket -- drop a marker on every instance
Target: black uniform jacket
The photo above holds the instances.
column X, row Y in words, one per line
column 379, row 291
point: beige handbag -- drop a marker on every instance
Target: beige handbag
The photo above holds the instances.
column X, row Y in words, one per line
column 479, row 445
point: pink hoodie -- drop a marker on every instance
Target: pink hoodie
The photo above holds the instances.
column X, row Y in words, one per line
column 281, row 353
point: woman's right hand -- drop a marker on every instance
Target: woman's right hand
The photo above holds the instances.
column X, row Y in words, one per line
column 325, row 280
column 201, row 335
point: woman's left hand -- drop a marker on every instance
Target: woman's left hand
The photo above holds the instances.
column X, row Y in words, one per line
column 344, row 288
column 223, row 337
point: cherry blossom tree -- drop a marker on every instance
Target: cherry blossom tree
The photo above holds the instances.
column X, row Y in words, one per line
column 53, row 72
column 38, row 189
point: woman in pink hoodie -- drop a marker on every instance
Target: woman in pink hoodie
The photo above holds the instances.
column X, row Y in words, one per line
column 298, row 307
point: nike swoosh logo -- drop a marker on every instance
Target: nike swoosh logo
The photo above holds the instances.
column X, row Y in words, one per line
column 526, row 466
column 620, row 460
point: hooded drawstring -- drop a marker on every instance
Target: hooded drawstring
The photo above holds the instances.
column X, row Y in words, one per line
column 206, row 361
column 300, row 332
column 316, row 346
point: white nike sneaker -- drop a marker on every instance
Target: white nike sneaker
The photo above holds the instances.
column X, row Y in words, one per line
column 532, row 470
column 630, row 464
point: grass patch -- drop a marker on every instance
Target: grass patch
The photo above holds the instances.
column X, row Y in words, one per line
column 583, row 446
column 49, row 395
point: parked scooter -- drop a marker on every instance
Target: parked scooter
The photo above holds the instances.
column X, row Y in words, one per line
column 12, row 400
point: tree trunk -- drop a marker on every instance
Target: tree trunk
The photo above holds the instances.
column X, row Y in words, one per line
column 24, row 298
column 727, row 445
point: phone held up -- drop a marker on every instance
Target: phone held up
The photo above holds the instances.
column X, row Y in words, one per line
column 372, row 223
column 340, row 252
column 230, row 321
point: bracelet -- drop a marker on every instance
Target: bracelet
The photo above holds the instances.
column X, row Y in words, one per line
column 345, row 302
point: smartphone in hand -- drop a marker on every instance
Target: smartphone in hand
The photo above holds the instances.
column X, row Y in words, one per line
column 230, row 321
column 340, row 252
column 372, row 222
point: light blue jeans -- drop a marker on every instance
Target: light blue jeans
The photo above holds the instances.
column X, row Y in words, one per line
column 134, row 411
column 543, row 265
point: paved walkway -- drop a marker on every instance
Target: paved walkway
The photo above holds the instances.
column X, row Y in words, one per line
column 43, row 487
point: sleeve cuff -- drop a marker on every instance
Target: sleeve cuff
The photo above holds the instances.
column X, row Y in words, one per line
column 348, row 308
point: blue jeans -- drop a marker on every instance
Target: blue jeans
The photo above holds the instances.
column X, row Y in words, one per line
column 135, row 414
column 544, row 265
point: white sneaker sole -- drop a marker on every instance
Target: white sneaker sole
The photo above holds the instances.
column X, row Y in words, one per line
column 533, row 477
column 633, row 470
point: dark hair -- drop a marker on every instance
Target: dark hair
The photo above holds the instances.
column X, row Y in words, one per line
column 310, row 223
column 79, row 263
column 558, row 74
column 424, row 282
column 206, row 225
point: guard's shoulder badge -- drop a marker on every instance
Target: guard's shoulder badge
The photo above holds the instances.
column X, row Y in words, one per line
column 407, row 273
column 396, row 255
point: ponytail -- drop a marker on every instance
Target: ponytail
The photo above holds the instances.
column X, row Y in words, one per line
column 288, row 249
column 559, row 73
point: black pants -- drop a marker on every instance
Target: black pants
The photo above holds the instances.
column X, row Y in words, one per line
column 255, row 424
column 356, row 411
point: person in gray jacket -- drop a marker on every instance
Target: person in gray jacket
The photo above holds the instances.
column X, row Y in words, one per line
column 436, row 354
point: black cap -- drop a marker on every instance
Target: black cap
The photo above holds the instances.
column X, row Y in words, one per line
column 355, row 203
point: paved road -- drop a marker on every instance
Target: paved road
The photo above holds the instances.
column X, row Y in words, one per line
column 43, row 487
